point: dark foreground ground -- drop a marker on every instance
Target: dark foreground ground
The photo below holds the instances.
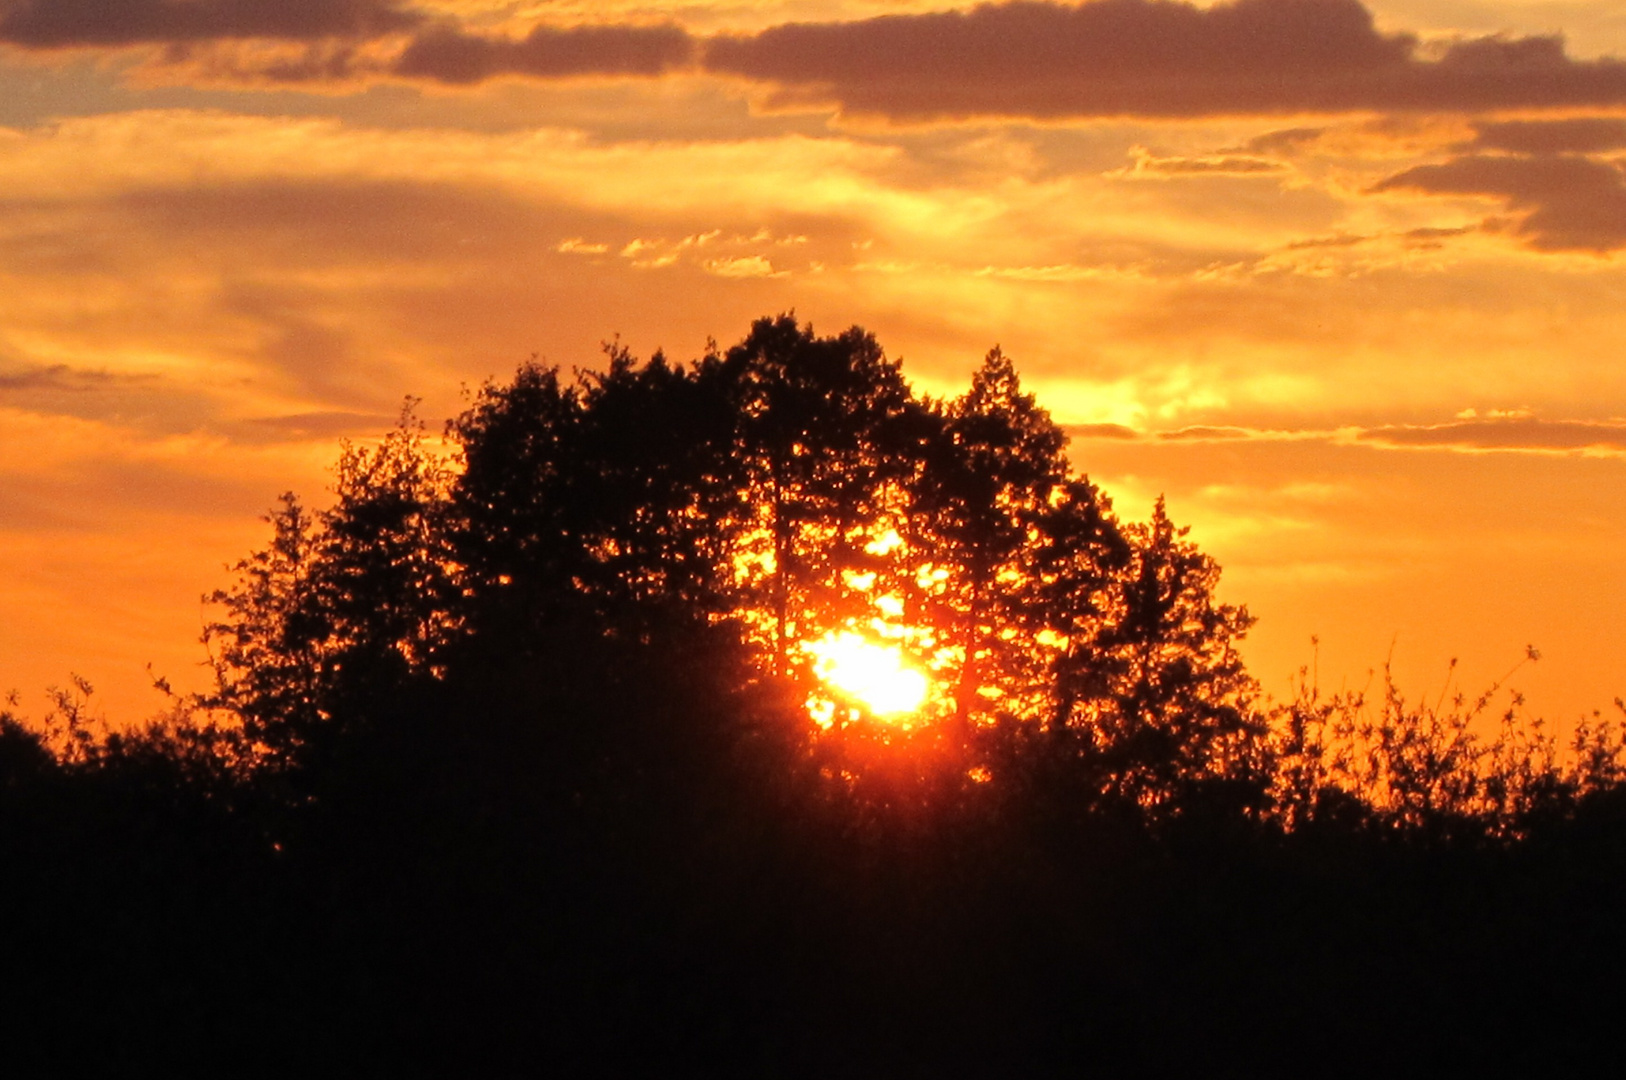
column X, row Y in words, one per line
column 493, row 896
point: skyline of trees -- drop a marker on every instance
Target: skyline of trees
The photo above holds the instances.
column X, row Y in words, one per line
column 794, row 487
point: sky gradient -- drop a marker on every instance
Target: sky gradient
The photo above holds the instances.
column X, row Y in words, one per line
column 1344, row 282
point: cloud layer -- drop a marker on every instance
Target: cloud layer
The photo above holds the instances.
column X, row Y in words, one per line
column 51, row 24
column 1150, row 58
column 1027, row 59
column 1573, row 135
column 446, row 55
column 1568, row 203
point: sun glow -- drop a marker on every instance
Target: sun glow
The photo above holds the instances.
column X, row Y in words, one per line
column 874, row 675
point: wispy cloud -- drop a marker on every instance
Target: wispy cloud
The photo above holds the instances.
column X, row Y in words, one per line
column 1150, row 165
column 1508, row 433
column 1513, row 433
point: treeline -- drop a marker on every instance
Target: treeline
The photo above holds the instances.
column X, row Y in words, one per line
column 520, row 761
column 759, row 500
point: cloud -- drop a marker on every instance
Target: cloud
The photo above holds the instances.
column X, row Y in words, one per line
column 143, row 401
column 1040, row 59
column 1569, row 203
column 1208, row 433
column 1148, row 164
column 1100, row 431
column 1575, row 135
column 745, row 266
column 329, row 269
column 54, row 24
column 1284, row 143
column 1431, row 237
column 59, row 377
column 1519, row 433
column 1150, row 58
column 448, row 55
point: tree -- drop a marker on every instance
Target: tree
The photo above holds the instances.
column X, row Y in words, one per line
column 344, row 607
column 1073, row 597
column 1165, row 704
column 267, row 647
column 508, row 528
column 384, row 578
column 989, row 475
column 828, row 430
column 614, row 501
column 657, row 492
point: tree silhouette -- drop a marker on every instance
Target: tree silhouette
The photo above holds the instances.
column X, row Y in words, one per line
column 510, row 527
column 344, row 608
column 267, row 647
column 987, row 481
column 827, row 433
column 1174, row 709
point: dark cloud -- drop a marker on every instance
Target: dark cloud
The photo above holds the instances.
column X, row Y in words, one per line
column 1577, row 135
column 1568, row 203
column 450, row 56
column 1151, row 58
column 1521, row 433
column 48, row 24
column 1285, row 143
column 329, row 60
column 88, row 493
column 1434, row 239
column 315, row 221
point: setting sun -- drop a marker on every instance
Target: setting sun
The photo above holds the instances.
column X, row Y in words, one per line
column 876, row 676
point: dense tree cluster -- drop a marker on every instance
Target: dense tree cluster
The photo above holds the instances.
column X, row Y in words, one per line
column 787, row 489
column 522, row 759
column 751, row 504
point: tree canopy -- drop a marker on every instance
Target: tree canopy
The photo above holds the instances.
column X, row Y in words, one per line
column 789, row 492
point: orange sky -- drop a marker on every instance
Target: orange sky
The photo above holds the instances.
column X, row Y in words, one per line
column 1343, row 282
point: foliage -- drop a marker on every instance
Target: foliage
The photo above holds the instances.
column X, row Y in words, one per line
column 1446, row 770
column 344, row 607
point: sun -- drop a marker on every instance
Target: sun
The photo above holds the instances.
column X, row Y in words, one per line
column 872, row 674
